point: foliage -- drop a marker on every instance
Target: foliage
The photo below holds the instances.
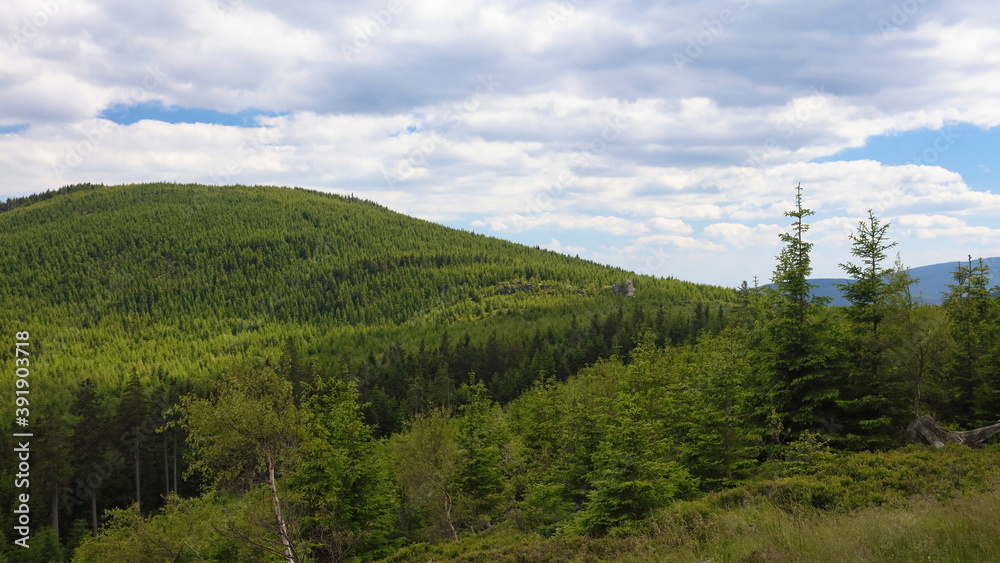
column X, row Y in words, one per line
column 425, row 458
column 806, row 384
column 342, row 480
column 975, row 314
column 184, row 530
column 903, row 505
column 875, row 397
column 348, row 383
column 242, row 439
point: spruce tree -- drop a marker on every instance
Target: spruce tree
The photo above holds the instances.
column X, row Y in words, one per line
column 88, row 445
column 342, row 480
column 478, row 472
column 974, row 312
column 805, row 391
column 875, row 397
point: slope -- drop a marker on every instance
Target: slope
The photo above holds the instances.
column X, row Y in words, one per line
column 112, row 278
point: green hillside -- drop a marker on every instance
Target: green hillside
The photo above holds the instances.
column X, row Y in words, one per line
column 163, row 252
column 182, row 276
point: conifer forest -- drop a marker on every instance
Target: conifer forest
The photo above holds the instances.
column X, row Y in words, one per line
column 250, row 373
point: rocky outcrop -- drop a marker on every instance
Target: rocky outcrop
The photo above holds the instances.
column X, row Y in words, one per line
column 625, row 288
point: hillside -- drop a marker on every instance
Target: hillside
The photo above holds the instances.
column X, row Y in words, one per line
column 183, row 277
column 134, row 295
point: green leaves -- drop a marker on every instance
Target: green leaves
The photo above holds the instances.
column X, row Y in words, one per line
column 250, row 420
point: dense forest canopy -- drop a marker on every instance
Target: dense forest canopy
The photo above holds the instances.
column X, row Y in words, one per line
column 261, row 373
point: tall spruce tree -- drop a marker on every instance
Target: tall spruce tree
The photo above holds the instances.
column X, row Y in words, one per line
column 88, row 443
column 478, row 470
column 805, row 391
column 132, row 413
column 874, row 397
column 974, row 313
column 342, row 478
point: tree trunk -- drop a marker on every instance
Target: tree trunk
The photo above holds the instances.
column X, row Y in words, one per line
column 55, row 511
column 93, row 512
column 166, row 465
column 447, row 511
column 286, row 540
column 138, row 509
column 174, row 459
column 925, row 431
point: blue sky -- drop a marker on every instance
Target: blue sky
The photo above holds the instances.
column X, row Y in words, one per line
column 127, row 115
column 972, row 152
column 666, row 139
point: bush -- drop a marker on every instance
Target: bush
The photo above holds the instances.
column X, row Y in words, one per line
column 874, row 479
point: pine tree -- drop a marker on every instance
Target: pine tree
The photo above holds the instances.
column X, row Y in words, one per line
column 804, row 392
column 88, row 445
column 132, row 415
column 974, row 313
column 478, row 473
column 632, row 473
column 875, row 396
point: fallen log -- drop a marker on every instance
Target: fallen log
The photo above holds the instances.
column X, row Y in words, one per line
column 925, row 431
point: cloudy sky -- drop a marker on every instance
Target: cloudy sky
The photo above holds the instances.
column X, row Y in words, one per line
column 666, row 138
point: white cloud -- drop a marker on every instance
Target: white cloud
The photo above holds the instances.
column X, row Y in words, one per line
column 681, row 242
column 742, row 236
column 576, row 122
column 564, row 248
column 562, row 222
column 933, row 226
column 669, row 225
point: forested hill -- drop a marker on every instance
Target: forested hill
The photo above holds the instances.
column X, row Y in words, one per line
column 164, row 251
column 175, row 281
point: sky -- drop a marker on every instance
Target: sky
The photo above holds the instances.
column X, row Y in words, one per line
column 665, row 138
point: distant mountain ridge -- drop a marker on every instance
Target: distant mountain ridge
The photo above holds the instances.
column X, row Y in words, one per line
column 933, row 280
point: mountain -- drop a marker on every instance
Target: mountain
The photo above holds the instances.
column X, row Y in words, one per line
column 932, row 281
column 114, row 278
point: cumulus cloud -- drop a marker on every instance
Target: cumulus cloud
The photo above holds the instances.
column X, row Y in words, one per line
column 564, row 248
column 527, row 119
column 739, row 235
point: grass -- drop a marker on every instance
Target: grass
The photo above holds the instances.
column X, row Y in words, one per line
column 927, row 529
